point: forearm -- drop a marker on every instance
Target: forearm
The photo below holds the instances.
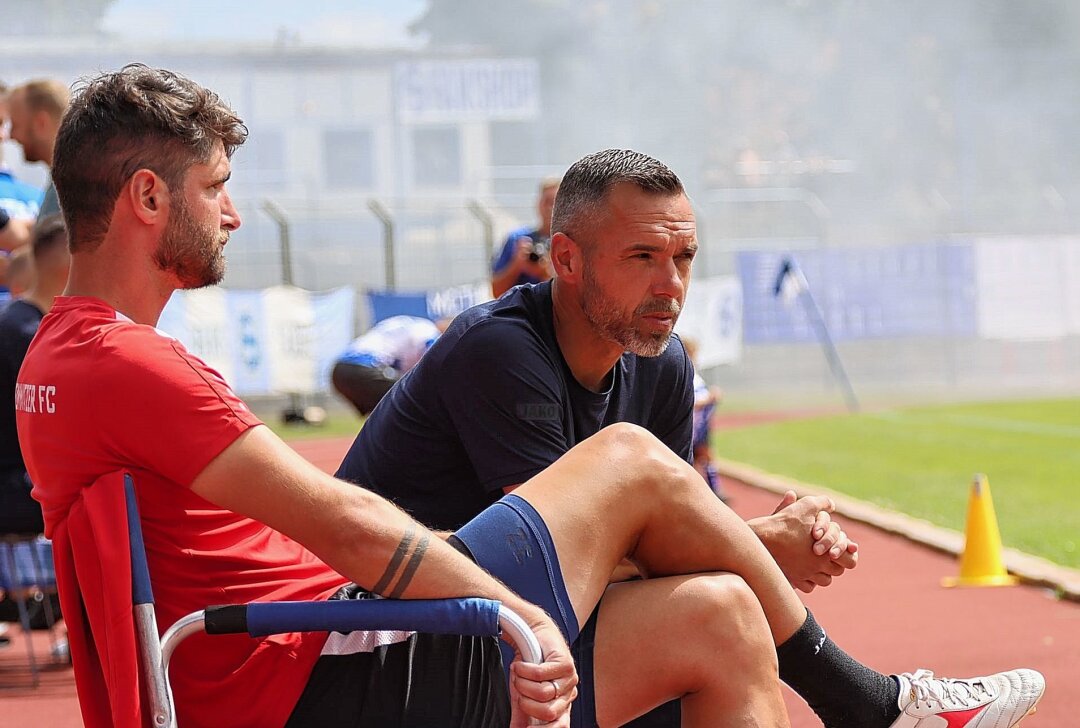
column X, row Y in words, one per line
column 393, row 555
column 760, row 526
column 362, row 536
column 14, row 234
column 503, row 280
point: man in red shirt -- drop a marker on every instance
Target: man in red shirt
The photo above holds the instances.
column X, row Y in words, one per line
column 142, row 162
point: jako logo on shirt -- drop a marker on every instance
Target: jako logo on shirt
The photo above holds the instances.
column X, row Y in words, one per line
column 35, row 398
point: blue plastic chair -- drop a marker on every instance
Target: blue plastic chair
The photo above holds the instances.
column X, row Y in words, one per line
column 473, row 617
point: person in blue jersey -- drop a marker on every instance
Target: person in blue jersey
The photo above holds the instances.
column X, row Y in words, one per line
column 370, row 365
column 19, row 205
column 524, row 258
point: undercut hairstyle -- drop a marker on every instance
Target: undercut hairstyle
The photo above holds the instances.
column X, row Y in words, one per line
column 586, row 184
column 49, row 233
column 45, row 94
column 119, row 123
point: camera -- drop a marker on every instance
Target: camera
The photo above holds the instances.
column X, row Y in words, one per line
column 538, row 251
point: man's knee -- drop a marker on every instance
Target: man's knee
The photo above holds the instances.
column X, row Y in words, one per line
column 646, row 457
column 721, row 614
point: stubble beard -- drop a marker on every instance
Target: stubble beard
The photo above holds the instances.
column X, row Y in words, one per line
column 192, row 252
column 609, row 322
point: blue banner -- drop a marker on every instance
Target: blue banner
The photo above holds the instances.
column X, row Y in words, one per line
column 863, row 293
column 434, row 305
column 385, row 305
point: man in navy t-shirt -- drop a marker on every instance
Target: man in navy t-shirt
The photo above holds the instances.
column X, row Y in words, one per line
column 524, row 256
column 513, row 384
column 494, row 402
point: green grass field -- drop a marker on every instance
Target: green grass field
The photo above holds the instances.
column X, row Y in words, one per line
column 921, row 461
column 337, row 424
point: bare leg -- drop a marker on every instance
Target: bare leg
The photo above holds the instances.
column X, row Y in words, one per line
column 704, row 638
column 623, row 493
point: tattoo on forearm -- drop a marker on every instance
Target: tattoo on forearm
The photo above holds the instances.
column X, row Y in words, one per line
column 413, row 565
column 396, row 559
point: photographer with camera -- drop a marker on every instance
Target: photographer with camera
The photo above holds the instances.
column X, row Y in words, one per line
column 524, row 255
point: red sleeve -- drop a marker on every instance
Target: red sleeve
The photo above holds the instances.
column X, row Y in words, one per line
column 172, row 414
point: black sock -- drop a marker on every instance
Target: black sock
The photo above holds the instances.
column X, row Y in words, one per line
column 844, row 693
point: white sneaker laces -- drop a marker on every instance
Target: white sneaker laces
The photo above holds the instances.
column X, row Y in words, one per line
column 946, row 693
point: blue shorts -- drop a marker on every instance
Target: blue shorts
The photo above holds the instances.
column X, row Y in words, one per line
column 510, row 540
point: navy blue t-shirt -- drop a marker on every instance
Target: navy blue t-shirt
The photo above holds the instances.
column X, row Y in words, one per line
column 19, row 322
column 493, row 403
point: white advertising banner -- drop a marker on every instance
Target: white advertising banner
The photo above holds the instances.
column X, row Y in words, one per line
column 502, row 89
column 1026, row 287
column 712, row 316
column 273, row 341
column 290, row 344
column 1070, row 279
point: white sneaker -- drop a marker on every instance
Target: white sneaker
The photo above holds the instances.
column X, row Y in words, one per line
column 996, row 701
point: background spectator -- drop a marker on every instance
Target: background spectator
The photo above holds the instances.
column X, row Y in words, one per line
column 20, row 271
column 374, row 361
column 19, row 321
column 46, row 261
column 524, row 255
column 36, row 108
column 706, row 398
column 19, row 204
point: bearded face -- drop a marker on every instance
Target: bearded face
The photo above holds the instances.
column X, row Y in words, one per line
column 193, row 251
column 628, row 328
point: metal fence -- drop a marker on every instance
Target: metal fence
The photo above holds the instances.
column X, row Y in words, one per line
column 423, row 244
column 380, row 244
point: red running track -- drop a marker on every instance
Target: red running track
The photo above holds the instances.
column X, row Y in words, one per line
column 890, row 612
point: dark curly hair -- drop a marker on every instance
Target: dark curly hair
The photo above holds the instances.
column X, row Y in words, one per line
column 135, row 118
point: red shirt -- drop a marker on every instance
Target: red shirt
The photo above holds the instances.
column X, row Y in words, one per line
column 99, row 393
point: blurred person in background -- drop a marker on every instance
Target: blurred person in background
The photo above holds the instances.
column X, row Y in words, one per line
column 20, row 271
column 14, row 265
column 19, row 321
column 706, row 398
column 524, row 255
column 371, row 364
column 36, row 109
column 19, row 205
column 14, row 233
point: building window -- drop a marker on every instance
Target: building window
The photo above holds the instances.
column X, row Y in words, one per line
column 436, row 156
column 262, row 160
column 349, row 155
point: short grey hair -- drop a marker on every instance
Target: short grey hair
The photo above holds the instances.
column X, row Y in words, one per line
column 586, row 184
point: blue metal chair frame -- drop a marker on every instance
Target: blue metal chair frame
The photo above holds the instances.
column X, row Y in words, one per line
column 475, row 617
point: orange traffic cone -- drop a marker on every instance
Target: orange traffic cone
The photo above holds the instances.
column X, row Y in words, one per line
column 981, row 564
